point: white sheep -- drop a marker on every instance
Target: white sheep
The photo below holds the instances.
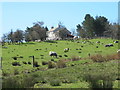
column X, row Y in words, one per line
column 115, row 41
column 51, row 53
column 66, row 49
column 98, row 42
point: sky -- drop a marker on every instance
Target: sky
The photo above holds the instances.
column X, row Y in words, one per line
column 19, row 15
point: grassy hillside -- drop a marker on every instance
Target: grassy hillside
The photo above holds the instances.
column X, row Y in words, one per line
column 75, row 74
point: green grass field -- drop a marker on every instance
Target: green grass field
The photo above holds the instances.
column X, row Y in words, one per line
column 76, row 73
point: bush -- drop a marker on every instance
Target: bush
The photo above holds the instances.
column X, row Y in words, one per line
column 55, row 82
column 35, row 64
column 44, row 62
column 16, row 64
column 98, row 58
column 16, row 71
column 61, row 64
column 4, row 73
column 11, row 82
column 29, row 62
column 51, row 64
column 66, row 55
column 75, row 58
column 24, row 62
column 15, row 58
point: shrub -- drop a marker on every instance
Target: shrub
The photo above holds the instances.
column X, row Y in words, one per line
column 51, row 64
column 61, row 64
column 24, row 62
column 11, row 82
column 75, row 58
column 55, row 82
column 112, row 57
column 4, row 73
column 16, row 64
column 21, row 57
column 29, row 62
column 44, row 62
column 60, row 55
column 52, row 59
column 98, row 58
column 16, row 71
column 35, row 64
column 66, row 55
column 15, row 58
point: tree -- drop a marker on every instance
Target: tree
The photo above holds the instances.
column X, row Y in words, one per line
column 100, row 25
column 4, row 39
column 81, row 32
column 88, row 26
column 10, row 36
column 18, row 36
column 113, row 31
column 36, row 32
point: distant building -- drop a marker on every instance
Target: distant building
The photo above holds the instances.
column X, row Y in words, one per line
column 58, row 33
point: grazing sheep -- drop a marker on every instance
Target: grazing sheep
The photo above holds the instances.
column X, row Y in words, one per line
column 109, row 45
column 115, row 41
column 118, row 51
column 66, row 49
column 51, row 53
column 98, row 42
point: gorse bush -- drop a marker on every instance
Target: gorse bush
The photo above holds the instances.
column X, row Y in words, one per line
column 61, row 64
column 16, row 64
column 16, row 71
column 35, row 64
column 24, row 62
column 51, row 64
column 44, row 62
column 100, row 58
column 75, row 58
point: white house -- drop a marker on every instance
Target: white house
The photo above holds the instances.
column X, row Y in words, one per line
column 52, row 33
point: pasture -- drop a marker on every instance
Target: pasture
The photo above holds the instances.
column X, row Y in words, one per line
column 73, row 75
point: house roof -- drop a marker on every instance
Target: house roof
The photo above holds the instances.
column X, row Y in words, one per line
column 54, row 29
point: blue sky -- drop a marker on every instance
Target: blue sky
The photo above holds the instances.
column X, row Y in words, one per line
column 19, row 15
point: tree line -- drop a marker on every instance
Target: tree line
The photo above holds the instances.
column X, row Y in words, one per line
column 90, row 28
column 36, row 32
column 98, row 27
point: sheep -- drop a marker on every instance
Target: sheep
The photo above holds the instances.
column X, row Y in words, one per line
column 98, row 42
column 109, row 45
column 66, row 49
column 115, row 41
column 118, row 51
column 51, row 53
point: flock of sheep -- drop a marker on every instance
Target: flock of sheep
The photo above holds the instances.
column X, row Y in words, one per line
column 52, row 53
